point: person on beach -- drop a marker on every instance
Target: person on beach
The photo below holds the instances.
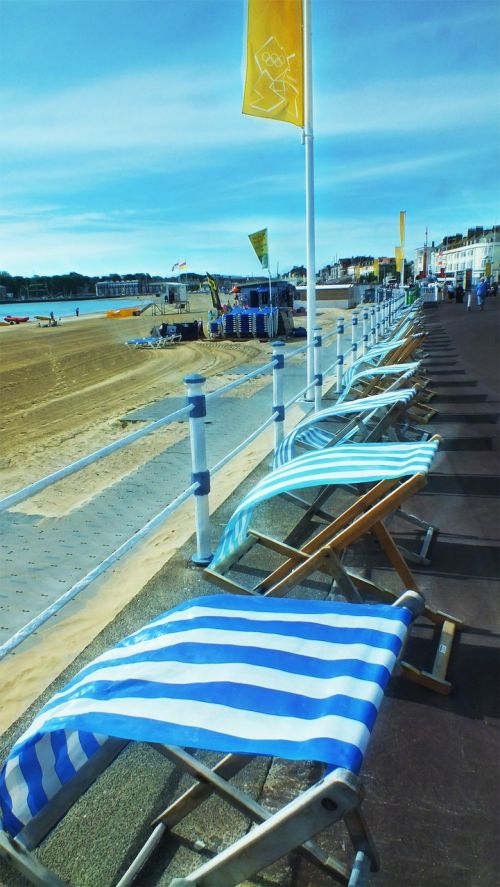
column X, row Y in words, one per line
column 77, row 312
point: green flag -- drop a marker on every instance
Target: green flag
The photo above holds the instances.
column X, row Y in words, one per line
column 259, row 243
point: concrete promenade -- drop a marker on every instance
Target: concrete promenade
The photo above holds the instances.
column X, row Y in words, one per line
column 432, row 768
column 42, row 557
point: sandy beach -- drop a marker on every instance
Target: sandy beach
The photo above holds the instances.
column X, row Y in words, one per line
column 65, row 388
column 64, row 392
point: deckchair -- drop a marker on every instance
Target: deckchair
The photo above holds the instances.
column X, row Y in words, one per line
column 374, row 417
column 390, row 473
column 300, row 680
column 370, row 417
column 362, row 380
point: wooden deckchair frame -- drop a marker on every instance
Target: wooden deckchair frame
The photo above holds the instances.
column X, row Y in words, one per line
column 323, row 552
column 386, row 424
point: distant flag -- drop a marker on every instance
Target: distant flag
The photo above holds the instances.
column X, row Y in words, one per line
column 402, row 228
column 214, row 292
column 180, row 265
column 274, row 82
column 259, row 243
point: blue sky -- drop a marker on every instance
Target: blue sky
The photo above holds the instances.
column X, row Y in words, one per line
column 123, row 147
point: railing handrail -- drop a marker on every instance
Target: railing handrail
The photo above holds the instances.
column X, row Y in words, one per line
column 200, row 485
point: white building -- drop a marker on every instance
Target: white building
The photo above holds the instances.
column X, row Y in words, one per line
column 464, row 259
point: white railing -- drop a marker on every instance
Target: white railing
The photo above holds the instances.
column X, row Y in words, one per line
column 376, row 322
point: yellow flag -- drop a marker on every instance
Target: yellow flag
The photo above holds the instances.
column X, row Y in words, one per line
column 259, row 243
column 274, row 82
column 399, row 255
column 376, row 267
column 402, row 228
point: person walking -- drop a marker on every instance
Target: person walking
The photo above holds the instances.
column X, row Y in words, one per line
column 459, row 294
column 481, row 293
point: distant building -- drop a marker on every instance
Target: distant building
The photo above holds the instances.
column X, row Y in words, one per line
column 462, row 258
column 108, row 289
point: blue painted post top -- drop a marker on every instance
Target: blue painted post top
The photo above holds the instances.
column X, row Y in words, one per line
column 195, row 379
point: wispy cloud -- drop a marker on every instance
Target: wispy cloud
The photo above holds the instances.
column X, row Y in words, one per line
column 432, row 104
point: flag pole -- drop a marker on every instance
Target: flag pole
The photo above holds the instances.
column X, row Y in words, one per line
column 308, row 138
column 402, row 228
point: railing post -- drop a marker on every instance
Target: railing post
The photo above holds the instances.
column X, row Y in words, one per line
column 377, row 323
column 340, row 353
column 200, row 473
column 365, row 330
column 278, row 399
column 386, row 315
column 318, row 375
column 372, row 325
column 354, row 337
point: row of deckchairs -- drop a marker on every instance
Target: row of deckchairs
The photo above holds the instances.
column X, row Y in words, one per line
column 270, row 667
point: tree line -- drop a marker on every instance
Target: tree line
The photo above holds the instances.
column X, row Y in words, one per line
column 55, row 286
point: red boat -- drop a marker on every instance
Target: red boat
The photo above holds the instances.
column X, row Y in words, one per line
column 11, row 319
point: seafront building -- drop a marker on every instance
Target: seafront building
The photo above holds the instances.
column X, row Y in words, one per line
column 462, row 258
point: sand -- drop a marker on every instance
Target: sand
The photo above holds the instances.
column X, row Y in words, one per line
column 64, row 389
column 64, row 392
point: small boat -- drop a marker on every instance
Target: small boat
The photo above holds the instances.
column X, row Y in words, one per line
column 41, row 317
column 10, row 318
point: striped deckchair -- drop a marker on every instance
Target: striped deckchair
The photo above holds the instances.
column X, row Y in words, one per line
column 390, row 473
column 364, row 409
column 301, row 680
column 377, row 415
column 362, row 380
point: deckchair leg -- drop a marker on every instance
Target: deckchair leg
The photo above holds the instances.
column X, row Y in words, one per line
column 436, row 679
column 216, row 780
column 320, row 806
column 28, row 865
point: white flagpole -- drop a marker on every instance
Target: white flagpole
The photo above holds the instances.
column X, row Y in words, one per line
column 401, row 283
column 308, row 138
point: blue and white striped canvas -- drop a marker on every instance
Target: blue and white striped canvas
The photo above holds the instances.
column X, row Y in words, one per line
column 355, row 375
column 307, row 431
column 346, row 464
column 297, row 679
column 376, row 352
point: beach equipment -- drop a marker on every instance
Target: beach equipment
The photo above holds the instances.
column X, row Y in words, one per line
column 369, row 417
column 385, row 415
column 390, row 473
column 298, row 679
column 155, row 342
column 12, row 319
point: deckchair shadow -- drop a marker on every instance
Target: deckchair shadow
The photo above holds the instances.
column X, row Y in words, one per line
column 391, row 474
column 300, row 680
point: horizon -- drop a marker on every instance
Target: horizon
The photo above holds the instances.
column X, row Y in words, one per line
column 123, row 143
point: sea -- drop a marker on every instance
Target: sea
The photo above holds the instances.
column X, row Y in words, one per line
column 66, row 308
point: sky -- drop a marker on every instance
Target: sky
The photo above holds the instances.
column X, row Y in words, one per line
column 123, row 147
